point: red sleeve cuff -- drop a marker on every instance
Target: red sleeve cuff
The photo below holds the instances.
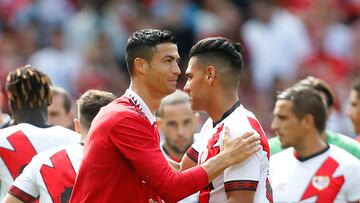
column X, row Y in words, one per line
column 200, row 176
column 21, row 195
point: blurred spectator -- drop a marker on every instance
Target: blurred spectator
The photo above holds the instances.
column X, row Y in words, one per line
column 276, row 42
column 96, row 17
column 59, row 63
column 59, row 111
column 99, row 69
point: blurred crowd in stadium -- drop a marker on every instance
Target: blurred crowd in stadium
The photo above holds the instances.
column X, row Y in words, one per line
column 80, row 44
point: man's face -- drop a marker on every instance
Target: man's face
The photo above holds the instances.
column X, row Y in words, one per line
column 57, row 114
column 354, row 110
column 285, row 124
column 196, row 85
column 163, row 70
column 178, row 123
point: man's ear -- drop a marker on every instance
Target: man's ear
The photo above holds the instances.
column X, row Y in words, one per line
column 77, row 125
column 159, row 122
column 140, row 65
column 308, row 121
column 210, row 74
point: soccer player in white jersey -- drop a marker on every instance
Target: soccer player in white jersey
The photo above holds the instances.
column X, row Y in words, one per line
column 29, row 95
column 311, row 170
column 51, row 174
column 213, row 79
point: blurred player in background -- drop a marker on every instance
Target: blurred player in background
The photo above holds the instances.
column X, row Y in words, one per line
column 329, row 137
column 29, row 94
column 59, row 111
column 50, row 175
column 354, row 109
column 310, row 170
column 178, row 123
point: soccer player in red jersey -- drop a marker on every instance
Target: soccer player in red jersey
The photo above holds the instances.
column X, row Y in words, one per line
column 122, row 157
column 29, row 94
column 50, row 175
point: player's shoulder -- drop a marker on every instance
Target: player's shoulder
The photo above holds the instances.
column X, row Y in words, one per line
column 283, row 156
column 342, row 156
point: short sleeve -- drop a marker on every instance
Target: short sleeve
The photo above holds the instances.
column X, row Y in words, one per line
column 352, row 183
column 26, row 181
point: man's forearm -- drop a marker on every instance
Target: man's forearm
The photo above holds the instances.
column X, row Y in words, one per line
column 216, row 165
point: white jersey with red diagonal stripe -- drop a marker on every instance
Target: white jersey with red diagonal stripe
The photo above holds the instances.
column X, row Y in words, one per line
column 250, row 175
column 19, row 143
column 50, row 175
column 332, row 175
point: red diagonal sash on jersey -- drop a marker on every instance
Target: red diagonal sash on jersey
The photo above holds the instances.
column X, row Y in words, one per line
column 265, row 145
column 15, row 160
column 212, row 151
column 60, row 178
column 328, row 193
column 263, row 140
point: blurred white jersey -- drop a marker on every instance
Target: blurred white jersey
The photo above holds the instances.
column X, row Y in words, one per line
column 332, row 175
column 50, row 175
column 19, row 143
column 250, row 175
column 194, row 198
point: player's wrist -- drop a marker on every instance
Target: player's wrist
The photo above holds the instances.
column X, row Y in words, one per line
column 226, row 158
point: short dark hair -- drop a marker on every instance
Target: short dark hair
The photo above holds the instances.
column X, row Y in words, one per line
column 28, row 88
column 222, row 53
column 142, row 42
column 90, row 103
column 306, row 101
column 321, row 86
column 356, row 86
column 65, row 95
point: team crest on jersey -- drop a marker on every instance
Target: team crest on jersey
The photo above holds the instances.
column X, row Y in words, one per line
column 204, row 156
column 320, row 182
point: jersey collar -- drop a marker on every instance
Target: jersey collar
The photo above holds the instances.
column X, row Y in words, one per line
column 141, row 105
column 227, row 113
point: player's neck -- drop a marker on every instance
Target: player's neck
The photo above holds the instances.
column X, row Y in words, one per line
column 310, row 146
column 35, row 117
column 172, row 154
column 220, row 104
column 151, row 99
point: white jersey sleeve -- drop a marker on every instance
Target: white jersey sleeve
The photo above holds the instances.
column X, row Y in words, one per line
column 352, row 177
column 243, row 176
column 26, row 181
column 193, row 151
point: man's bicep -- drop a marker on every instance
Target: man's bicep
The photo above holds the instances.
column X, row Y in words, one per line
column 11, row 199
column 25, row 184
column 240, row 196
column 244, row 176
column 187, row 162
